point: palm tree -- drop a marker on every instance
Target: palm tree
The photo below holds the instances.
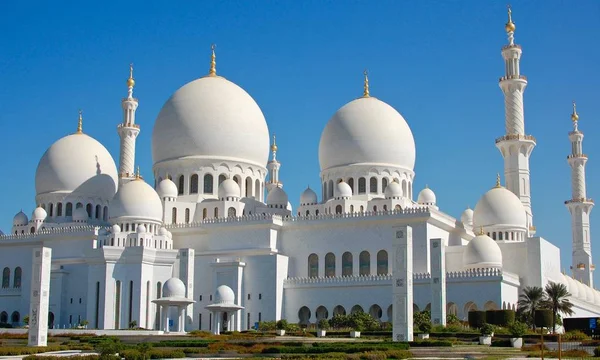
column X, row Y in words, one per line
column 557, row 299
column 530, row 300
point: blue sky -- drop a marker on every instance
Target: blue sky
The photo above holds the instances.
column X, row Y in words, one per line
column 437, row 62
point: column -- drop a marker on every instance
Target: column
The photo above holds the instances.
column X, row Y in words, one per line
column 402, row 284
column 40, row 293
column 438, row 282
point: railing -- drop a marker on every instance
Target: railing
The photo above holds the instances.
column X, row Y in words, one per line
column 515, row 137
column 513, row 77
column 54, row 230
column 511, row 46
column 10, row 291
column 580, row 200
column 577, row 156
column 128, row 125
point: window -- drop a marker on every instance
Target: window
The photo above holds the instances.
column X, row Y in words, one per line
column 98, row 211
column 259, row 317
column 88, row 209
column 351, row 184
column 313, row 265
column 210, row 298
column 59, row 209
column 338, row 209
column 194, row 184
column 364, row 263
column 216, row 213
column 373, row 185
column 204, row 213
column 231, row 212
column 180, row 185
column 200, row 298
column 330, row 265
column 199, row 321
column 221, row 178
column 347, row 264
column 69, row 210
column 384, row 184
column 51, row 210
column 17, row 279
column 6, row 278
column 71, row 300
column 248, row 296
column 174, row 216
column 362, row 185
column 248, row 321
column 80, row 300
column 208, row 184
column 382, row 262
column 259, row 296
column 187, row 216
column 117, row 305
column 105, row 214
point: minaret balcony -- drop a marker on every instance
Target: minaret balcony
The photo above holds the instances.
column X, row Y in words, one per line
column 129, row 99
column 515, row 137
column 580, row 200
column 513, row 77
column 137, row 126
column 511, row 46
column 572, row 156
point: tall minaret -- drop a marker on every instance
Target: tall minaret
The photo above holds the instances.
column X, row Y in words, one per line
column 128, row 131
column 273, row 167
column 515, row 146
column 580, row 207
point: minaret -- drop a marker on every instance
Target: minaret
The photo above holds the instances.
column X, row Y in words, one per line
column 128, row 131
column 580, row 207
column 273, row 167
column 515, row 146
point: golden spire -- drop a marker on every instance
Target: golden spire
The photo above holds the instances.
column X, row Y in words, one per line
column 574, row 115
column 366, row 86
column 137, row 173
column 213, row 62
column 481, row 231
column 498, row 185
column 130, row 81
column 510, row 25
column 80, row 123
column 274, row 145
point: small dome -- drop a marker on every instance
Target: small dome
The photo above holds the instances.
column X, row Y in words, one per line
column 343, row 190
column 80, row 214
column 163, row 231
column 277, row 197
column 393, row 190
column 20, row 219
column 482, row 252
column 115, row 229
column 426, row 197
column 167, row 188
column 169, row 235
column 224, row 295
column 467, row 217
column 39, row 214
column 136, row 200
column 174, row 288
column 500, row 206
column 229, row 188
column 141, row 229
column 308, row 197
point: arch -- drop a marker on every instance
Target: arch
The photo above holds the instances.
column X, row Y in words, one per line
column 59, row 207
column 416, row 308
column 338, row 209
column 216, row 212
column 339, row 310
column 330, row 188
column 231, row 212
column 69, row 209
column 248, row 187
column 17, row 278
column 98, row 211
column 452, row 309
column 180, row 184
column 78, row 205
column 238, row 180
column 313, row 265
column 321, row 313
column 304, row 315
column 6, row 278
column 351, row 184
column 384, row 184
column 427, row 307
column 15, row 317
column 32, row 230
column 373, row 185
column 174, row 215
column 404, row 189
column 324, row 190
column 187, row 216
column 347, row 264
column 257, row 189
column 351, row 209
column 88, row 209
column 204, row 213
column 376, row 312
column 390, row 313
column 330, row 265
column 356, row 309
column 382, row 262
column 194, row 184
column 397, row 208
column 50, row 320
column 362, row 209
column 362, row 185
column 490, row 305
column 222, row 178
column 207, row 186
column 3, row 317
column 469, row 306
column 364, row 263
column 105, row 214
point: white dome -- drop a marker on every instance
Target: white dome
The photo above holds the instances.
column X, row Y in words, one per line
column 342, row 190
column 393, row 190
column 572, row 286
column 169, row 234
column 467, row 217
column 499, row 206
column 482, row 252
column 20, row 219
column 163, row 231
column 39, row 214
column 79, row 164
column 173, row 288
column 115, row 229
column 367, row 131
column 589, row 294
column 80, row 214
column 581, row 289
column 224, row 295
column 426, row 197
column 277, row 197
column 136, row 200
column 596, row 297
column 167, row 188
column 308, row 197
column 229, row 188
column 140, row 229
column 211, row 118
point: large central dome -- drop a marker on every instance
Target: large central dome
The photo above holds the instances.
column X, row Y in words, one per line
column 367, row 131
column 211, row 118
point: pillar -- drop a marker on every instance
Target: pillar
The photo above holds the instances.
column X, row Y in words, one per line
column 402, row 284
column 438, row 282
column 40, row 294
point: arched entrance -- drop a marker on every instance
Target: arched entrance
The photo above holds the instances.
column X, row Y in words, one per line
column 50, row 320
column 304, row 315
column 224, row 321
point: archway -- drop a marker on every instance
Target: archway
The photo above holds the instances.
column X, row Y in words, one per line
column 452, row 309
column 390, row 313
column 339, row 310
column 376, row 312
column 3, row 317
column 322, row 313
column 470, row 306
column 304, row 315
column 15, row 317
column 50, row 320
column 490, row 305
column 356, row 309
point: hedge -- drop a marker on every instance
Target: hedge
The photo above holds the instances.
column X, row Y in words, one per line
column 152, row 354
column 500, row 317
column 324, row 348
column 183, row 343
column 476, row 318
column 543, row 318
column 430, row 343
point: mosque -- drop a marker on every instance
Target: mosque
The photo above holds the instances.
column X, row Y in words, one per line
column 214, row 244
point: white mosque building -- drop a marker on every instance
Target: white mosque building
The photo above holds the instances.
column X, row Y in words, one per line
column 214, row 238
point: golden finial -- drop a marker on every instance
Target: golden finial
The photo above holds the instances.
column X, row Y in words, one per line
column 130, row 81
column 498, row 185
column 213, row 62
column 574, row 115
column 366, row 86
column 137, row 173
column 80, row 123
column 481, row 231
column 510, row 25
column 274, row 145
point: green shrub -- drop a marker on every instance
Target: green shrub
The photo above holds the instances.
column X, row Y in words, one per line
column 282, row 324
column 452, row 319
column 421, row 318
column 501, row 343
column 518, row 329
column 183, row 343
column 431, row 343
column 499, row 317
column 597, row 352
column 324, row 324
column 425, row 327
column 267, row 325
column 78, row 357
column 575, row 335
column 486, row 329
column 543, row 318
column 166, row 354
column 476, row 319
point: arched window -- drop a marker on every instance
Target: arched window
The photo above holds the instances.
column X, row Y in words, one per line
column 208, row 184
column 88, row 209
column 216, row 214
column 339, row 310
column 382, row 262
column 338, row 209
column 3, row 317
column 187, row 216
column 352, row 209
column 322, row 313
column 51, row 208
column 98, row 211
column 248, row 187
column 330, row 265
column 376, row 312
column 79, row 205
column 118, row 305
column 356, row 309
column 194, row 184
column 231, row 212
column 222, row 178
column 69, row 209
column 347, row 264
column 325, row 191
column 15, row 317
column 204, row 213
column 6, row 278
column 330, row 189
column 351, row 184
column 362, row 209
column 59, row 209
column 180, row 185
column 373, row 185
column 364, row 265
column 174, row 215
column 362, row 185
column 32, row 230
column 313, row 265
column 17, row 279
column 105, row 214
column 384, row 184
column 304, row 315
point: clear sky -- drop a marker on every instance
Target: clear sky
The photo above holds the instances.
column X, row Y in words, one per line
column 436, row 62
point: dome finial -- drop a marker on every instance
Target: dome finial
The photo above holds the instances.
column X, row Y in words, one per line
column 213, row 62
column 137, row 173
column 498, row 184
column 510, row 25
column 80, row 123
column 130, row 81
column 481, row 231
column 274, row 145
column 366, row 85
column 574, row 115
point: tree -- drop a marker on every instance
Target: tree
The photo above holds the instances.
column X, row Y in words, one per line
column 530, row 300
column 556, row 299
column 144, row 348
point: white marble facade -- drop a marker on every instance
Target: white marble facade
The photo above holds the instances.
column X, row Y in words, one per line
column 216, row 215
